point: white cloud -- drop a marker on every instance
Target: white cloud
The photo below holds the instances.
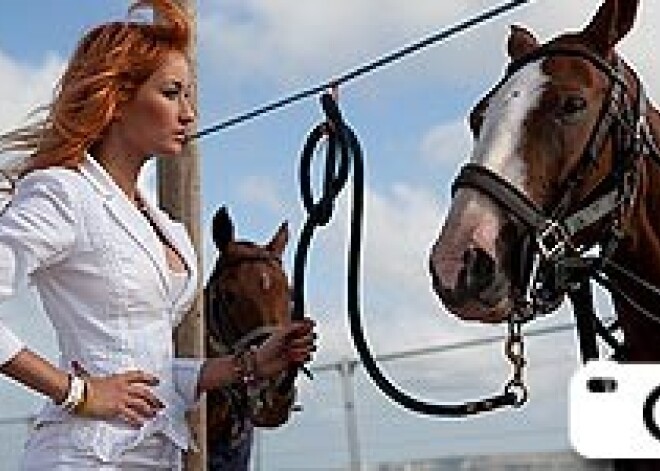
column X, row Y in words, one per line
column 23, row 87
column 288, row 39
column 261, row 191
column 446, row 142
column 400, row 226
column 292, row 41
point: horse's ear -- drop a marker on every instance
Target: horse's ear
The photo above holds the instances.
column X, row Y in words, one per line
column 223, row 228
column 614, row 19
column 278, row 243
column 521, row 42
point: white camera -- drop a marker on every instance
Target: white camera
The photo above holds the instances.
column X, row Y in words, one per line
column 615, row 410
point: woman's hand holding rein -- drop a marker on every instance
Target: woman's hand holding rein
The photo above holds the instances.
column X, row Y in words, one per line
column 288, row 346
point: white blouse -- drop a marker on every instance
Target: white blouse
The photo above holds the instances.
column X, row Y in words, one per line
column 179, row 280
column 104, row 282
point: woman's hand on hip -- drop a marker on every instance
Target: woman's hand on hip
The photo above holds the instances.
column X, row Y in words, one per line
column 127, row 396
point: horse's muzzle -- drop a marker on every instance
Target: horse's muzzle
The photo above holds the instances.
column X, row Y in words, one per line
column 480, row 282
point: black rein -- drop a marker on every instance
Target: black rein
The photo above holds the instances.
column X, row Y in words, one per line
column 343, row 143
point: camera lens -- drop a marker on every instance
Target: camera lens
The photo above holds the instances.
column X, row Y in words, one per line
column 649, row 406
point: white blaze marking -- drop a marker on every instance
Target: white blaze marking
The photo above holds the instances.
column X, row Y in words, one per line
column 265, row 281
column 499, row 141
column 474, row 219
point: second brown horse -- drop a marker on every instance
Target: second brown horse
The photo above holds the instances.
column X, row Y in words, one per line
column 247, row 294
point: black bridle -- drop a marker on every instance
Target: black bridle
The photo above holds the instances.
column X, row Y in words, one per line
column 555, row 264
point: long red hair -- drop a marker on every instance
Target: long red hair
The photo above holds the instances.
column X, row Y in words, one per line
column 109, row 64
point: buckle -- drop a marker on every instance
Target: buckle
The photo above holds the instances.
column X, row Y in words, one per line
column 553, row 239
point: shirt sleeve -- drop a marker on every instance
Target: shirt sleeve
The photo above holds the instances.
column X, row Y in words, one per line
column 37, row 230
column 186, row 377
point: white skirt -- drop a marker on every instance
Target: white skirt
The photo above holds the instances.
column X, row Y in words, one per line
column 50, row 447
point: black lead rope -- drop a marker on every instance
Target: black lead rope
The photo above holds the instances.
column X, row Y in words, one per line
column 342, row 144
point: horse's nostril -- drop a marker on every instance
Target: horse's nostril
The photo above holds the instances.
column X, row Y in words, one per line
column 480, row 263
column 478, row 271
column 479, row 279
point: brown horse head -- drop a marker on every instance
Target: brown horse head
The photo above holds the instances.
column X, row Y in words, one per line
column 532, row 131
column 249, row 283
column 246, row 296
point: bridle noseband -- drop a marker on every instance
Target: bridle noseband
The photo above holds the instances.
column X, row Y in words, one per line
column 550, row 232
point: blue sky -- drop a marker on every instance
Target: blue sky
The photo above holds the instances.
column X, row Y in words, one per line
column 410, row 118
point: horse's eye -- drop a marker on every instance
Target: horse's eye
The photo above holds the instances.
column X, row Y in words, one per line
column 573, row 105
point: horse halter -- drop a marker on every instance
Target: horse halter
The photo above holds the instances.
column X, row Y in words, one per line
column 223, row 331
column 549, row 233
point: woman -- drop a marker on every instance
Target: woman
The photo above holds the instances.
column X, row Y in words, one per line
column 114, row 273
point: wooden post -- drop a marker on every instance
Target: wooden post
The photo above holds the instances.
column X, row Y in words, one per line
column 179, row 195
